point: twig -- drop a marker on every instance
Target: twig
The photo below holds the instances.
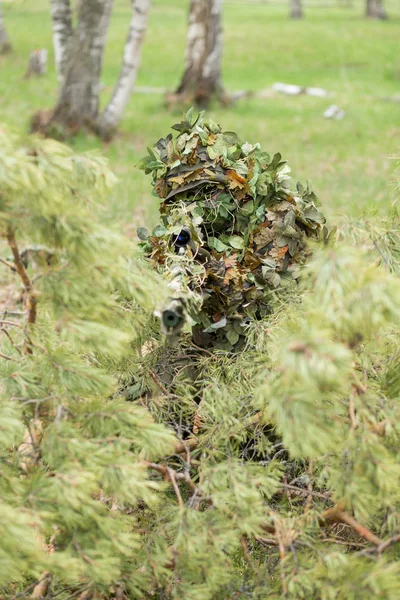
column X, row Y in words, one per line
column 10, row 339
column 8, row 264
column 201, row 349
column 352, row 410
column 267, row 541
column 344, row 543
column 85, row 557
column 388, row 543
column 183, row 447
column 78, row 593
column 309, row 488
column 360, row 529
column 247, row 554
column 336, row 515
column 171, row 475
column 30, row 301
column 24, row 592
column 306, row 492
column 5, row 356
column 157, row 382
column 85, row 595
column 11, row 324
column 282, row 556
column 40, row 590
column 382, row 547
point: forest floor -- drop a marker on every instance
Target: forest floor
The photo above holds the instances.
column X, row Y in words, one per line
column 349, row 161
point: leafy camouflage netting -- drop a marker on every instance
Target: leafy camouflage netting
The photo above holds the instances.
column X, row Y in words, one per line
column 232, row 231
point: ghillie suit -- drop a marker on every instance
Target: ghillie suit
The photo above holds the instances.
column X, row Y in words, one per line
column 232, row 231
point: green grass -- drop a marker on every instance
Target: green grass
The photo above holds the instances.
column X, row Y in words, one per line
column 357, row 60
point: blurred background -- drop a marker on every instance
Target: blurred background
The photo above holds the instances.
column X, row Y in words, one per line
column 346, row 154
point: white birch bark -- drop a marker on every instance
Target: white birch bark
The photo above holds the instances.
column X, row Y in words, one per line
column 5, row 45
column 380, row 10
column 112, row 114
column 374, row 9
column 62, row 33
column 370, row 8
column 296, row 9
column 78, row 101
column 202, row 76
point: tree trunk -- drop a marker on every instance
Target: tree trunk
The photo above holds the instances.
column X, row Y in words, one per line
column 62, row 33
column 78, row 102
column 375, row 9
column 296, row 9
column 380, row 10
column 112, row 114
column 202, row 77
column 5, row 45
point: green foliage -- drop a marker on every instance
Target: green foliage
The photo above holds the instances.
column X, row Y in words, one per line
column 131, row 469
column 70, row 446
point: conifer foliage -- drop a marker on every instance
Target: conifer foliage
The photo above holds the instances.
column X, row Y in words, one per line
column 275, row 475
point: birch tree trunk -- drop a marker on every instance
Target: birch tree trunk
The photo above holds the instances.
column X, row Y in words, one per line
column 296, row 9
column 78, row 102
column 112, row 114
column 370, row 9
column 380, row 10
column 62, row 33
column 5, row 45
column 374, row 9
column 202, row 77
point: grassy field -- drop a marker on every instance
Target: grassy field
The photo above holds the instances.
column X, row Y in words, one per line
column 358, row 61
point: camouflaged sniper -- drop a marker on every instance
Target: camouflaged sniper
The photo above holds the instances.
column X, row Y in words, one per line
column 231, row 230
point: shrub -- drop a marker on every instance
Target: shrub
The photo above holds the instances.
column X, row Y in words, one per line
column 275, row 473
